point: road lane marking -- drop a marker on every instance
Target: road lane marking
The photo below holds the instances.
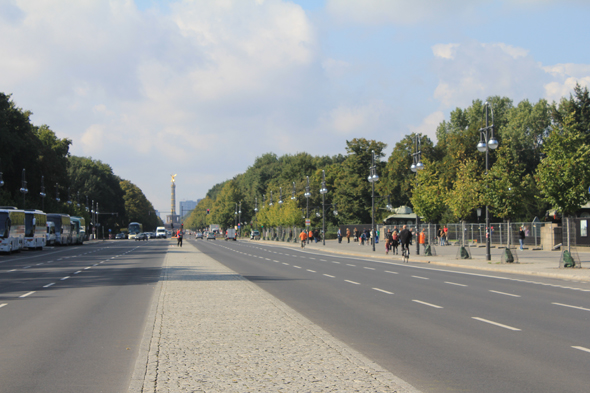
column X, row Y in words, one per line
column 3, row 304
column 504, row 293
column 65, row 278
column 313, row 271
column 353, row 282
column 26, row 267
column 86, row 268
column 48, row 285
column 336, row 262
column 312, row 258
column 496, row 324
column 27, row 294
column 387, row 271
column 286, row 264
column 454, row 283
column 323, row 260
column 13, row 270
column 567, row 305
column 369, row 268
column 297, row 267
column 427, row 304
column 268, row 259
column 384, row 291
column 274, row 260
column 327, row 275
column 575, row 347
column 40, row 264
column 348, row 264
column 421, row 278
column 79, row 271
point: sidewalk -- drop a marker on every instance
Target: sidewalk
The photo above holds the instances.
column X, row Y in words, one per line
column 210, row 330
column 535, row 263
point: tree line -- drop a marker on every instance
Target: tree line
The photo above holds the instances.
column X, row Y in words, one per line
column 70, row 183
column 541, row 163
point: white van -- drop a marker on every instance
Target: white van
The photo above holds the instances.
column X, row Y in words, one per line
column 161, row 233
column 50, row 236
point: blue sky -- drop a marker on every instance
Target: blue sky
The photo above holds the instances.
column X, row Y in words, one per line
column 201, row 88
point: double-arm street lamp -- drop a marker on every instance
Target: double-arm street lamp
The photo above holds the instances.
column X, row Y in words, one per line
column 373, row 177
column 307, row 195
column 416, row 167
column 487, row 141
column 323, row 191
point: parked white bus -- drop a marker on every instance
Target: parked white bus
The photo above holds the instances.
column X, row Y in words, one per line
column 63, row 228
column 78, row 229
column 35, row 229
column 135, row 228
column 12, row 229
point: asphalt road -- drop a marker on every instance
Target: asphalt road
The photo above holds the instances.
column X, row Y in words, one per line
column 71, row 318
column 439, row 329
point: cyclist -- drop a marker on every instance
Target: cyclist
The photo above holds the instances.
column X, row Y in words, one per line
column 405, row 239
column 303, row 237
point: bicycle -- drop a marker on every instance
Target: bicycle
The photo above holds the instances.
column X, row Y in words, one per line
column 406, row 252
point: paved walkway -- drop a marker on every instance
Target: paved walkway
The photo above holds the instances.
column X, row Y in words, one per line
column 210, row 330
column 537, row 263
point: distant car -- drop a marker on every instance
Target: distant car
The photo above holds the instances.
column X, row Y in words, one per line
column 151, row 235
column 199, row 235
column 120, row 236
column 210, row 235
column 255, row 235
column 141, row 236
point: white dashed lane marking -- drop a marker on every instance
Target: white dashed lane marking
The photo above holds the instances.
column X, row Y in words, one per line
column 567, row 305
column 353, row 282
column 384, row 291
column 327, row 275
column 427, row 304
column 496, row 324
column 575, row 347
column 313, row 271
column 421, row 278
column 27, row 294
column 504, row 293
column 3, row 304
column 48, row 285
column 454, row 283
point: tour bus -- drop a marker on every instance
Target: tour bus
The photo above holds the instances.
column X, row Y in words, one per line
column 135, row 228
column 63, row 228
column 12, row 229
column 50, row 237
column 161, row 233
column 35, row 229
column 78, row 229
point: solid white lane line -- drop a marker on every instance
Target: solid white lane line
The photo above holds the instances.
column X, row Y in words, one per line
column 387, row 271
column 348, row 264
column 575, row 347
column 504, row 293
column 426, row 304
column 567, row 305
column 454, row 283
column 327, row 275
column 3, row 304
column 65, row 278
column 369, row 268
column 421, row 278
column 384, row 291
column 48, row 285
column 27, row 294
column 496, row 323
column 313, row 271
column 353, row 282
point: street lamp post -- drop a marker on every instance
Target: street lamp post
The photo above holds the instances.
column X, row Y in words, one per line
column 240, row 220
column 42, row 194
column 373, row 177
column 1, row 181
column 236, row 216
column 23, row 188
column 323, row 191
column 416, row 167
column 487, row 142
column 293, row 193
column 307, row 195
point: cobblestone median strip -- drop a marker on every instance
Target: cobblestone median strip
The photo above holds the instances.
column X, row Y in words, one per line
column 213, row 331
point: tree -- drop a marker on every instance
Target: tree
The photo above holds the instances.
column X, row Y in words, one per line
column 464, row 197
column 428, row 197
column 564, row 175
column 138, row 208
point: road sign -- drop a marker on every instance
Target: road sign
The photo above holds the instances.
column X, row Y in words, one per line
column 307, row 222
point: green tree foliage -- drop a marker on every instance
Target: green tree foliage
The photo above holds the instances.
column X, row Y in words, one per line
column 223, row 211
column 564, row 175
column 428, row 197
column 198, row 217
column 138, row 208
column 465, row 196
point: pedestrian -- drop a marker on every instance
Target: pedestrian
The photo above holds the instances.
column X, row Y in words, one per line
column 394, row 242
column 362, row 239
column 439, row 234
column 521, row 237
column 316, row 235
column 405, row 238
column 179, row 238
column 303, row 237
column 387, row 245
column 422, row 237
column 339, row 235
column 356, row 235
column 348, row 234
column 443, row 239
column 377, row 233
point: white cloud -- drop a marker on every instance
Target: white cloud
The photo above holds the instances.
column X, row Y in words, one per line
column 429, row 125
column 348, row 119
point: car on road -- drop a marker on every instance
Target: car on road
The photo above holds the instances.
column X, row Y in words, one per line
column 120, row 236
column 199, row 235
column 141, row 236
column 255, row 235
column 151, row 235
column 210, row 235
